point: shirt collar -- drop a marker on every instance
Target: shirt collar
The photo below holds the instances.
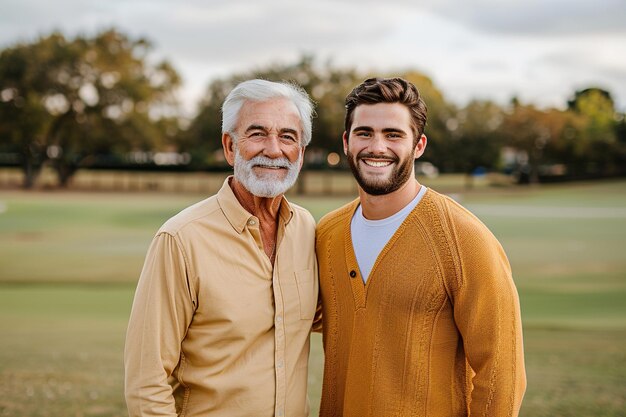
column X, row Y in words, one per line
column 238, row 216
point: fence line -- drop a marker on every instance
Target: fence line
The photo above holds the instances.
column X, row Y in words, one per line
column 309, row 182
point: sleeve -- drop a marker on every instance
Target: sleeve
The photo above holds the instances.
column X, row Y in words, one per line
column 161, row 313
column 317, row 319
column 487, row 314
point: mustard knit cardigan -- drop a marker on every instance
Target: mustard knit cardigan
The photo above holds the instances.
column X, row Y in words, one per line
column 436, row 331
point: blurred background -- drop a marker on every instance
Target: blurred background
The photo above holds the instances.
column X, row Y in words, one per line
column 110, row 123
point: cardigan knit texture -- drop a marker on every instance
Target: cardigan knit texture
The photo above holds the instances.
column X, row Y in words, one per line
column 435, row 331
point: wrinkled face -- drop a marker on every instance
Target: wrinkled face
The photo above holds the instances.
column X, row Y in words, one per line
column 267, row 155
column 381, row 147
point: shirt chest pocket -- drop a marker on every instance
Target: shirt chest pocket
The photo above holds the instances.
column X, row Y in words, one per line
column 307, row 288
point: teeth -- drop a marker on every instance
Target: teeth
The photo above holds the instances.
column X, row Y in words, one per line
column 377, row 164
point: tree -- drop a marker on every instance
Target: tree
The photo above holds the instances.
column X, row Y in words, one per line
column 327, row 86
column 598, row 139
column 620, row 132
column 477, row 138
column 523, row 131
column 548, row 136
column 65, row 100
column 440, row 146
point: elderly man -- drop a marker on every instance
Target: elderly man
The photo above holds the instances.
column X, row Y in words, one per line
column 221, row 319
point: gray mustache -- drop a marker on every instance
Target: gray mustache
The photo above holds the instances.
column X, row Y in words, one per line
column 269, row 162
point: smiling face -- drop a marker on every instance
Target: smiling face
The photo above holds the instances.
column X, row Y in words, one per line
column 381, row 147
column 266, row 155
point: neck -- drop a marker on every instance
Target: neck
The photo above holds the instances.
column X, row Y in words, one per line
column 263, row 208
column 377, row 207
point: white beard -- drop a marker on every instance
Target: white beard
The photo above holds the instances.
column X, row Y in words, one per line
column 267, row 185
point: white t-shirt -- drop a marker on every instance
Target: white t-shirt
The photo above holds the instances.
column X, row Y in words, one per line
column 369, row 237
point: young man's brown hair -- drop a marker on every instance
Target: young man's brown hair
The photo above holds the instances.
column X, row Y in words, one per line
column 388, row 90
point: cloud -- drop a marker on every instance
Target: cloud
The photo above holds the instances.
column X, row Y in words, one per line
column 540, row 50
column 536, row 17
column 251, row 31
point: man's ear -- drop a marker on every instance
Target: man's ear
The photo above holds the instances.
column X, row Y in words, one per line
column 302, row 156
column 421, row 146
column 228, row 145
column 345, row 143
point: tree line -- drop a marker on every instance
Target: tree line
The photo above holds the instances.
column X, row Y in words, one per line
column 72, row 103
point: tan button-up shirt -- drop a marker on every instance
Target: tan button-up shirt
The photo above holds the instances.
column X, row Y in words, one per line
column 215, row 328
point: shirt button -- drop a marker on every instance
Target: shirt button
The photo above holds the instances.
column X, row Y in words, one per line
column 251, row 222
column 280, row 413
column 280, row 364
column 353, row 273
column 279, row 319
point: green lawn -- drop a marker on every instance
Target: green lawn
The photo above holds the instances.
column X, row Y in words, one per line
column 69, row 262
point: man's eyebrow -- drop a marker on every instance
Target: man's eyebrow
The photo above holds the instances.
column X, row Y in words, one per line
column 256, row 127
column 385, row 130
column 393, row 130
column 289, row 130
column 265, row 129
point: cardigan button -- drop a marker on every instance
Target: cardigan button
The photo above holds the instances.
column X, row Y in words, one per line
column 352, row 273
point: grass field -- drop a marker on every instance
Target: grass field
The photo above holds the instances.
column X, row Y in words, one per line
column 69, row 262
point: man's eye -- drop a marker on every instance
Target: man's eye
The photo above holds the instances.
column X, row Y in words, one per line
column 289, row 138
column 393, row 135
column 363, row 134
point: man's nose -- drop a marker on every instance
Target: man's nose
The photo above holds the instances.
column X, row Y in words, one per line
column 377, row 145
column 272, row 147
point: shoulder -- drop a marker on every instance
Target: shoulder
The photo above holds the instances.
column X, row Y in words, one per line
column 473, row 249
column 302, row 217
column 332, row 221
column 455, row 217
column 190, row 215
column 471, row 238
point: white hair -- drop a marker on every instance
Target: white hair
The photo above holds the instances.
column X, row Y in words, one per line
column 262, row 90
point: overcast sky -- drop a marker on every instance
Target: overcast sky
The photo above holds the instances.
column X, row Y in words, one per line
column 538, row 50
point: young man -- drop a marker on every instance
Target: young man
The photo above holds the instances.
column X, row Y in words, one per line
column 420, row 313
column 221, row 319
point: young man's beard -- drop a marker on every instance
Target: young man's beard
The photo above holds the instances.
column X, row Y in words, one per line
column 400, row 174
